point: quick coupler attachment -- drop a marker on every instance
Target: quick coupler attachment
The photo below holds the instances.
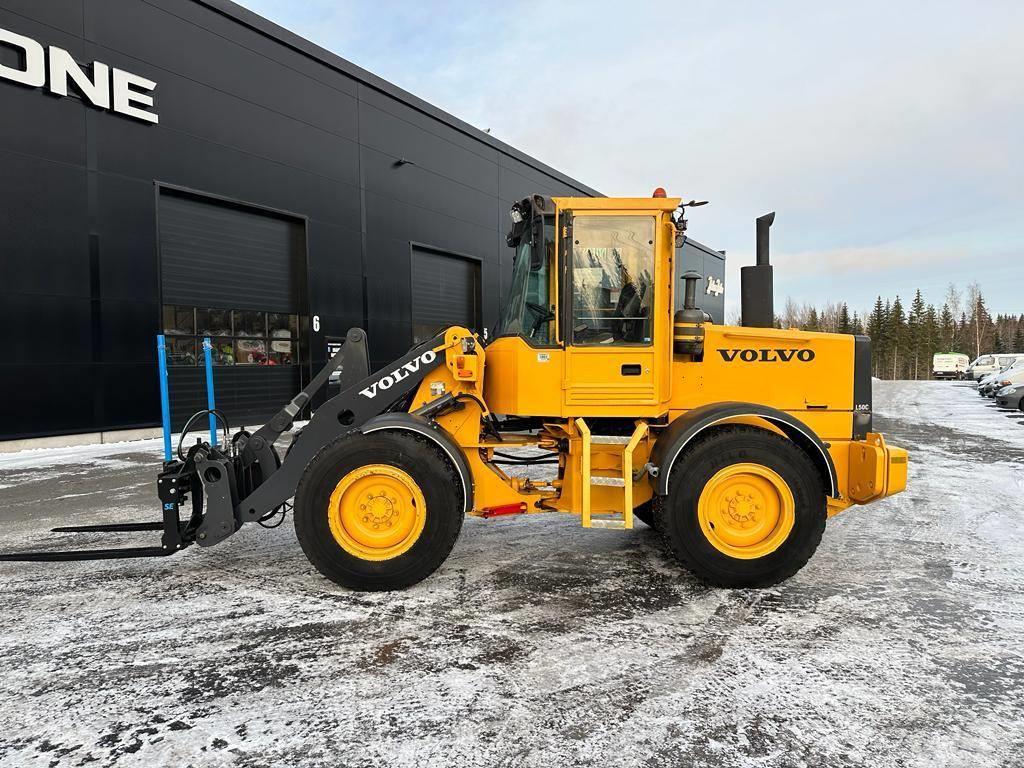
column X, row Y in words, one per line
column 215, row 477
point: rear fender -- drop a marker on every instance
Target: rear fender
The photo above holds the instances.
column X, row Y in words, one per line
column 686, row 428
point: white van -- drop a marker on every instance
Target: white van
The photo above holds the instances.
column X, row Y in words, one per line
column 987, row 364
column 950, row 366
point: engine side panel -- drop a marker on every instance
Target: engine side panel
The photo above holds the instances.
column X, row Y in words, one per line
column 808, row 374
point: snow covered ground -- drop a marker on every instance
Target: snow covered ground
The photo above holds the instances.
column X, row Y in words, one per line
column 538, row 643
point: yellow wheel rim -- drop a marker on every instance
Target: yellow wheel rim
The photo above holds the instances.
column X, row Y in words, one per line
column 377, row 512
column 746, row 511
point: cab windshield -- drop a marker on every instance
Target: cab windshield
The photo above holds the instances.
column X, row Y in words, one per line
column 528, row 311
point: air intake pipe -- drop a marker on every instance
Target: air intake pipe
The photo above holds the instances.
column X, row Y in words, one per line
column 688, row 335
column 756, row 289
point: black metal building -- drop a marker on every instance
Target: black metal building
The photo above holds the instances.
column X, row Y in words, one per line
column 185, row 166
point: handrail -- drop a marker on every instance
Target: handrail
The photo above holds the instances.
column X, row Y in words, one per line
column 627, row 472
column 581, row 425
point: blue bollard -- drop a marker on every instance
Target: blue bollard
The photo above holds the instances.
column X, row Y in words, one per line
column 210, row 401
column 165, row 402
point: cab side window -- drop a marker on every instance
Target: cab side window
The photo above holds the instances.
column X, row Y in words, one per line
column 612, row 279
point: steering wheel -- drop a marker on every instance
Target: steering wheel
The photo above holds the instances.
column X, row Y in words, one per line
column 544, row 315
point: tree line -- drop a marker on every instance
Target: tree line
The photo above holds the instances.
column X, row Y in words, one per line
column 904, row 339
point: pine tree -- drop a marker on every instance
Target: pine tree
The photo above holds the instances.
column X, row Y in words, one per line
column 813, row 324
column 1018, row 338
column 877, row 323
column 947, row 330
column 931, row 330
column 915, row 335
column 843, row 322
column 856, row 326
column 897, row 336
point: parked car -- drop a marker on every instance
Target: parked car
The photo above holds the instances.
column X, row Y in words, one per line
column 1010, row 397
column 951, row 365
column 989, row 387
column 1010, row 377
column 988, row 380
column 992, row 364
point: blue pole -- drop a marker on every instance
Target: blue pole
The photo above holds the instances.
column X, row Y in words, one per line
column 210, row 403
column 165, row 402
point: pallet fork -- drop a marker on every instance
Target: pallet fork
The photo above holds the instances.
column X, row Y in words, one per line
column 173, row 491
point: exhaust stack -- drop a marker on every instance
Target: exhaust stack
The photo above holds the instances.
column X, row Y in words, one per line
column 756, row 288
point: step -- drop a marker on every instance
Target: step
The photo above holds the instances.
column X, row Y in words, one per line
column 623, row 478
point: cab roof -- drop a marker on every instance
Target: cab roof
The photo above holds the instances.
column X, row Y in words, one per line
column 617, row 203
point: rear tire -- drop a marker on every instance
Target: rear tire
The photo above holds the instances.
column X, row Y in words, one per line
column 754, row 483
column 431, row 511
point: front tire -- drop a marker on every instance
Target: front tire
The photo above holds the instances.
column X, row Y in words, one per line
column 746, row 508
column 378, row 512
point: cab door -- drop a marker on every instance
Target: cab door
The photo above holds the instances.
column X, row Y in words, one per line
column 610, row 304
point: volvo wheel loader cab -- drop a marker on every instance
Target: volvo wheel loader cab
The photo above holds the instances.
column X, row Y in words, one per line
column 735, row 442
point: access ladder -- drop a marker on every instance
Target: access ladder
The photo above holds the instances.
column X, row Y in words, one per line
column 622, row 478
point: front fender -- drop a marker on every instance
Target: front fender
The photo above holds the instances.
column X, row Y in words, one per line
column 683, row 430
column 408, row 422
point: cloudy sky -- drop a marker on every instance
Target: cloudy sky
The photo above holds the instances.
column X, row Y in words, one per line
column 887, row 136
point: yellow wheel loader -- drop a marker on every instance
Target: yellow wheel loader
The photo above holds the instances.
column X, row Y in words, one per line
column 735, row 442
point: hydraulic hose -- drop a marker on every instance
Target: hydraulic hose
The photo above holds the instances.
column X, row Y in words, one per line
column 191, row 422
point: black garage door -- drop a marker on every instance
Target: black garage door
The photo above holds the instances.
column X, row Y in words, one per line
column 235, row 274
column 445, row 291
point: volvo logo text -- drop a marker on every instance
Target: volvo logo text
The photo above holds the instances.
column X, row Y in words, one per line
column 388, row 381
column 767, row 355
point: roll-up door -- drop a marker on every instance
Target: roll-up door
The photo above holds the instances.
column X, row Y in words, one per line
column 218, row 255
column 445, row 291
column 236, row 274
